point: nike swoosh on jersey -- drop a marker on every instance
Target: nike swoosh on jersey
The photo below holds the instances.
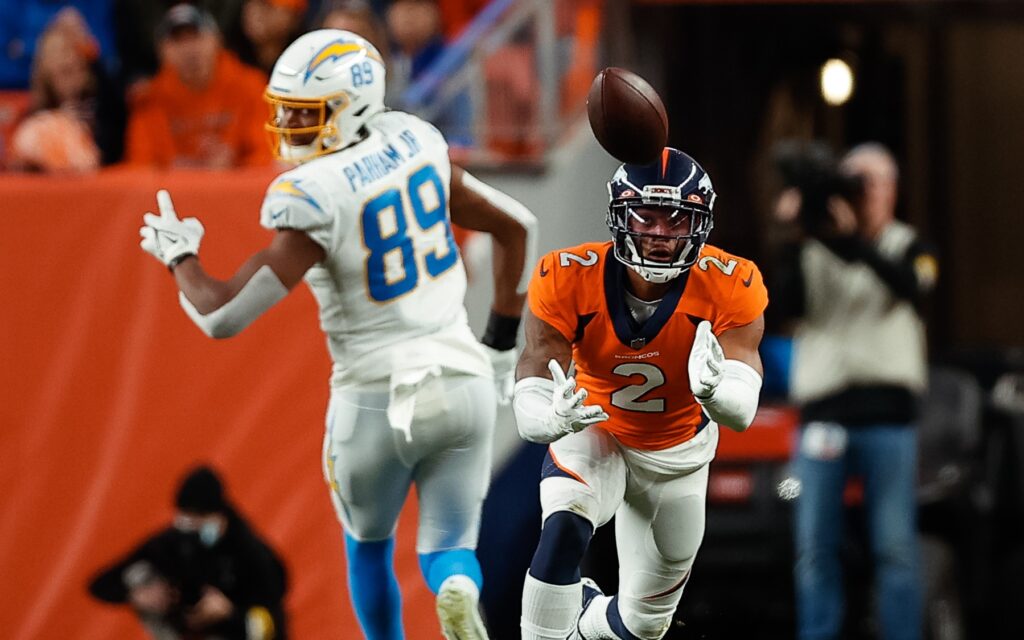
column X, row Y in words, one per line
column 750, row 278
column 543, row 271
column 274, row 215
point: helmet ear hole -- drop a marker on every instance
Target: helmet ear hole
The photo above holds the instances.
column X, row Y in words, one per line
column 330, row 134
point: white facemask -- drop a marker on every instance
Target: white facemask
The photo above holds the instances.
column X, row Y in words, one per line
column 210, row 533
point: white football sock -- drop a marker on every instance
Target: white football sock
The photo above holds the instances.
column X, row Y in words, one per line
column 549, row 610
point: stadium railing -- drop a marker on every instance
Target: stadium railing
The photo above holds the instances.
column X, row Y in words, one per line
column 505, row 89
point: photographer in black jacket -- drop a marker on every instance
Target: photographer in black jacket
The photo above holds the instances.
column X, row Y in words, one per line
column 851, row 286
column 208, row 576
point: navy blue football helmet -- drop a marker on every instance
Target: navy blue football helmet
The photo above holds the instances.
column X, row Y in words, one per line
column 675, row 184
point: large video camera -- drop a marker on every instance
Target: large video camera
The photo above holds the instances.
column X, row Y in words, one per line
column 812, row 168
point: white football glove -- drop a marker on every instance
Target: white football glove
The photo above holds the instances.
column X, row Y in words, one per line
column 568, row 413
column 504, row 364
column 706, row 363
column 167, row 238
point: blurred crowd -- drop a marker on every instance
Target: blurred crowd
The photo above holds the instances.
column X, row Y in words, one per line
column 89, row 83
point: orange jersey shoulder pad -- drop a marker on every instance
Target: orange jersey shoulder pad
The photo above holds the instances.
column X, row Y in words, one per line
column 566, row 284
column 728, row 289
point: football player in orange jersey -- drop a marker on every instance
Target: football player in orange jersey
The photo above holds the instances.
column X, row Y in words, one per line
column 663, row 330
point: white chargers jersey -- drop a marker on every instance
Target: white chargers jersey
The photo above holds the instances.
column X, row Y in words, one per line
column 392, row 285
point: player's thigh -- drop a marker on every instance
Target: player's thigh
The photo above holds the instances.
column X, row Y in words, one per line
column 452, row 478
column 368, row 481
column 583, row 473
column 659, row 529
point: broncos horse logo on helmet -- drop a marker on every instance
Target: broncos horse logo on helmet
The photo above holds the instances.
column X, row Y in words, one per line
column 675, row 184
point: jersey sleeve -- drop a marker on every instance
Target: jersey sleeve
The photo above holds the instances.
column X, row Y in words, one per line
column 748, row 300
column 294, row 202
column 550, row 296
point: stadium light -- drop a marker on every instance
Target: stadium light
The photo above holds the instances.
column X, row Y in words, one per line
column 836, row 82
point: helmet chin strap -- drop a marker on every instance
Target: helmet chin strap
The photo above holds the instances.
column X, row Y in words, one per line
column 653, row 274
column 656, row 275
column 296, row 152
column 328, row 140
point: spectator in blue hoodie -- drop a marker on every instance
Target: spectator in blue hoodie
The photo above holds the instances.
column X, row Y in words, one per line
column 417, row 41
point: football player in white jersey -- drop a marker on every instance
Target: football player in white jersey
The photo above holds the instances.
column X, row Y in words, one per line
column 365, row 218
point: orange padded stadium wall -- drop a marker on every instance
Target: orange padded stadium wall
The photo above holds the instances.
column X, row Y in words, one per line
column 109, row 393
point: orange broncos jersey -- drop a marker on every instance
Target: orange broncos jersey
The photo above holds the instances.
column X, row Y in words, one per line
column 638, row 373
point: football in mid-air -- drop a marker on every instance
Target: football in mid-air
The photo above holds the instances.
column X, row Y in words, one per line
column 627, row 116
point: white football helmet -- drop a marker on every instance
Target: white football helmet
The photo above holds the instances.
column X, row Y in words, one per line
column 333, row 74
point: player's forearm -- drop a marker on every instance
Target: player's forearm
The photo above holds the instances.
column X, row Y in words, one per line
column 531, row 404
column 534, row 366
column 543, row 344
column 733, row 403
column 509, row 264
column 227, row 307
column 207, row 294
column 513, row 229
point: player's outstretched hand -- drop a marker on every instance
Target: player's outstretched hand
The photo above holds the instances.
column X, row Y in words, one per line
column 167, row 238
column 504, row 364
column 568, row 413
column 705, row 365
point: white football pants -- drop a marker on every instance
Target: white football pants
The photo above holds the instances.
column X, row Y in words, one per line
column 446, row 452
column 658, row 500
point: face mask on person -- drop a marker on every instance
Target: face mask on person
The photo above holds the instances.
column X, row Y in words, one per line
column 210, row 533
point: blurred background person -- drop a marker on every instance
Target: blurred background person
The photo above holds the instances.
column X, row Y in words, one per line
column 195, row 112
column 267, row 27
column 854, row 285
column 208, row 575
column 24, row 21
column 457, row 14
column 77, row 113
column 414, row 27
column 358, row 17
column 417, row 42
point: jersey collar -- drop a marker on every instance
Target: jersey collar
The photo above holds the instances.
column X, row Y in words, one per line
column 628, row 331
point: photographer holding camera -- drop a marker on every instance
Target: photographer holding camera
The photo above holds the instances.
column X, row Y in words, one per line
column 208, row 576
column 852, row 285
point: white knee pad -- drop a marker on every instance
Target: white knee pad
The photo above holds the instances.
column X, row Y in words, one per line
column 679, row 529
column 566, row 494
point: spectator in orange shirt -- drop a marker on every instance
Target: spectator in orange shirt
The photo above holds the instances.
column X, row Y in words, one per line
column 196, row 111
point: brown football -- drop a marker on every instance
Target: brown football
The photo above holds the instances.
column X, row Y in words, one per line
column 627, row 116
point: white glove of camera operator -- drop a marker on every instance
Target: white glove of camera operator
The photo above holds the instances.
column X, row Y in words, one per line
column 504, row 365
column 546, row 409
column 167, row 238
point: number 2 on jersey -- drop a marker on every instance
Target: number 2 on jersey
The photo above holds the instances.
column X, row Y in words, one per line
column 629, row 397
column 391, row 267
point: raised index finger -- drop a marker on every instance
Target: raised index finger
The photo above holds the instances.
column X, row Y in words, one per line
column 163, row 200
